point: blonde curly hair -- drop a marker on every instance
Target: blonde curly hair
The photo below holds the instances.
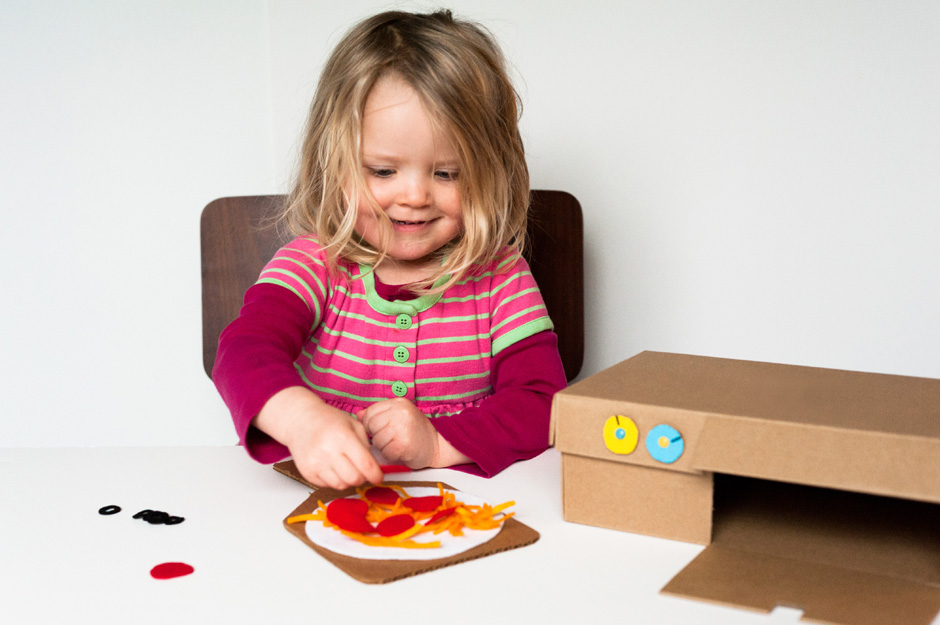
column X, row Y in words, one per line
column 459, row 72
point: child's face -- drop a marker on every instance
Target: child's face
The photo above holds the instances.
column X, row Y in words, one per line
column 411, row 170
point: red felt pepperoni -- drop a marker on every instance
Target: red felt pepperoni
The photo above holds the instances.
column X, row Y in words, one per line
column 349, row 515
column 395, row 525
column 169, row 570
column 441, row 514
column 382, row 494
column 424, row 504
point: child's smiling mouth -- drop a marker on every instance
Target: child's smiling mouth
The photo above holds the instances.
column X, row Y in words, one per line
column 400, row 222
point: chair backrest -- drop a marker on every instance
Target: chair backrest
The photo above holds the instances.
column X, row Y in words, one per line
column 240, row 234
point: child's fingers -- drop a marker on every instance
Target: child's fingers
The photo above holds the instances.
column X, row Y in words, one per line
column 361, row 433
column 354, row 463
column 310, row 474
column 329, row 479
column 340, row 473
column 392, row 446
column 387, row 440
column 324, row 476
column 347, row 473
column 387, row 449
column 373, row 419
column 366, row 466
column 381, row 439
column 349, row 464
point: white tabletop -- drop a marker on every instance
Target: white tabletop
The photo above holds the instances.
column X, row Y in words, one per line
column 62, row 562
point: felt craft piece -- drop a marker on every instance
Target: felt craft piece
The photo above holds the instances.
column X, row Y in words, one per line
column 434, row 544
column 514, row 534
column 665, row 444
column 441, row 514
column 382, row 494
column 169, row 570
column 350, row 515
column 423, row 504
column 620, row 434
column 395, row 525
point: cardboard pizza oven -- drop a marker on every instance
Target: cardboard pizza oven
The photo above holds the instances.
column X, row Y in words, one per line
column 812, row 488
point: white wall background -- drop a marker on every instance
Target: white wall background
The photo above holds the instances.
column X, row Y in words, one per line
column 759, row 180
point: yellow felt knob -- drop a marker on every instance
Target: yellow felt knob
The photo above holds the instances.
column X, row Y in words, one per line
column 620, row 434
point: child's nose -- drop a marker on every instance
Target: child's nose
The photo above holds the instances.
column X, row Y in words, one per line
column 416, row 191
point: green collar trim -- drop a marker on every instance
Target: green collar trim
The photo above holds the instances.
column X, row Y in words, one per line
column 398, row 306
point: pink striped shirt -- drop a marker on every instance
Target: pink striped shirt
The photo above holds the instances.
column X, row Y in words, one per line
column 434, row 350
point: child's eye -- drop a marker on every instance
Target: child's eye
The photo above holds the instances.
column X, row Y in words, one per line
column 447, row 175
column 381, row 172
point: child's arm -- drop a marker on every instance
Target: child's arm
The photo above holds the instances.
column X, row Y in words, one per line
column 254, row 372
column 512, row 424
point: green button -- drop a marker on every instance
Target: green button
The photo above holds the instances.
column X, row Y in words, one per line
column 403, row 321
column 399, row 388
column 401, row 354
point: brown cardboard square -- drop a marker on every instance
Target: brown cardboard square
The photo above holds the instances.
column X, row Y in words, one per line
column 513, row 535
column 835, row 510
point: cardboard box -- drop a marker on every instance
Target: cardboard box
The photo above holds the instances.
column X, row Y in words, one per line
column 813, row 488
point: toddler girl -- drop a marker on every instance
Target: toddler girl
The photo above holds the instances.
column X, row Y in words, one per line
column 403, row 314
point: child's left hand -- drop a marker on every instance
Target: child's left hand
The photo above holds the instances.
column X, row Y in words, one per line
column 401, row 432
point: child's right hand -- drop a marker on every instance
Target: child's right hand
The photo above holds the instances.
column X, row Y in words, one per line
column 329, row 447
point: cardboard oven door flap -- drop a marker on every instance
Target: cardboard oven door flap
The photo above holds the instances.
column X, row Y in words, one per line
column 843, row 558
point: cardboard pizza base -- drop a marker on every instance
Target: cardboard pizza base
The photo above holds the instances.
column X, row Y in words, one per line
column 514, row 534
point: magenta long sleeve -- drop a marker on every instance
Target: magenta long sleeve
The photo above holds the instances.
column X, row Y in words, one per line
column 256, row 360
column 513, row 423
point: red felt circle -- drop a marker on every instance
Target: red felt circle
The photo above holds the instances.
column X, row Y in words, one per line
column 382, row 494
column 395, row 525
column 424, row 504
column 169, row 570
column 349, row 515
column 441, row 514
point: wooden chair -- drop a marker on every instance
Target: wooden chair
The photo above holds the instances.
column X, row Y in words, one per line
column 240, row 234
